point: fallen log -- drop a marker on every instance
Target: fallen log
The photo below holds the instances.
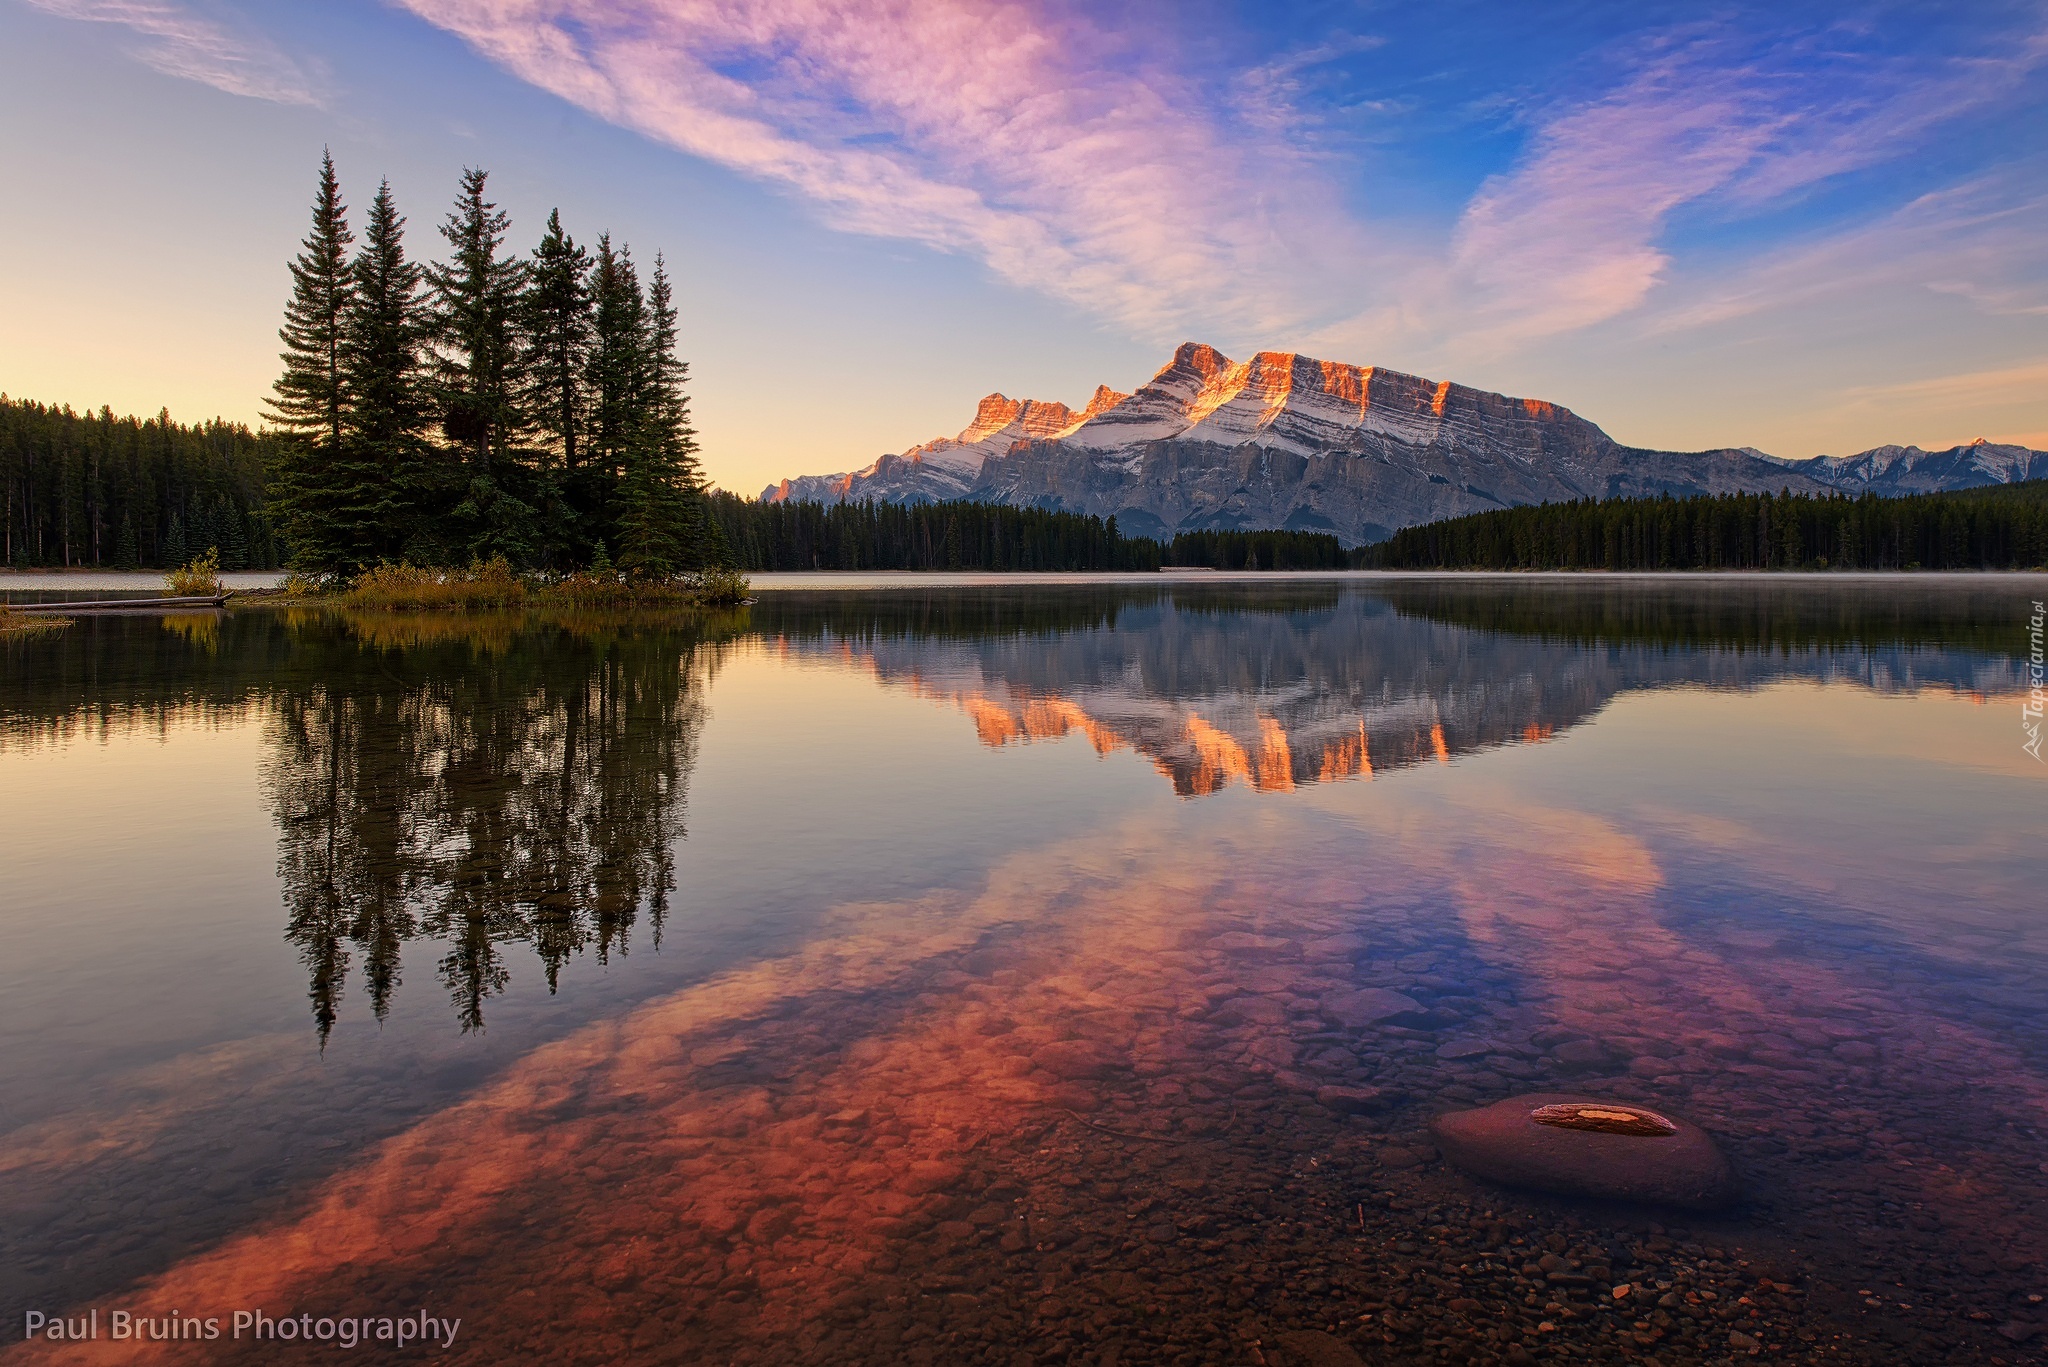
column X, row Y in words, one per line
column 123, row 604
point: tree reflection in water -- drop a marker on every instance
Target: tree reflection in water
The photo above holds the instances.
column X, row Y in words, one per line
column 480, row 782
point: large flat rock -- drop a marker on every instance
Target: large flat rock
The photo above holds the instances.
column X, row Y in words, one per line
column 1372, row 1006
column 1587, row 1146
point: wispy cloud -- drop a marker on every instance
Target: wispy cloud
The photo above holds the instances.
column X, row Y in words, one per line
column 183, row 43
column 1974, row 387
column 1082, row 162
column 1569, row 237
column 1573, row 235
column 1059, row 154
column 1978, row 240
column 1281, row 96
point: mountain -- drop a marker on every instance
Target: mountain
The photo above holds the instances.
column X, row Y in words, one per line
column 1910, row 470
column 946, row 467
column 1284, row 440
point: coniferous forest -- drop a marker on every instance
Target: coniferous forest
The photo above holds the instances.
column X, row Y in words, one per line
column 921, row 536
column 2000, row 527
column 963, row 535
column 1997, row 527
column 489, row 404
column 93, row 489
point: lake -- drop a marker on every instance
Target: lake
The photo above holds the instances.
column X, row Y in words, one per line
column 1010, row 973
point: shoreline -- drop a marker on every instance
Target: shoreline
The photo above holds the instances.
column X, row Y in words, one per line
column 796, row 581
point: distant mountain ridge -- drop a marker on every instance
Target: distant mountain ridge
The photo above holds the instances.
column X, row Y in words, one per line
column 1910, row 470
column 1288, row 441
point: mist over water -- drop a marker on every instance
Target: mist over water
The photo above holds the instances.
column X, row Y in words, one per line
column 974, row 973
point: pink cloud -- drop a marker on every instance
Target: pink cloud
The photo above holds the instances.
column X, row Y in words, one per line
column 1057, row 153
column 1571, row 236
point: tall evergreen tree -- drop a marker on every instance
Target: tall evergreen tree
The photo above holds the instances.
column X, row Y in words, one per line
column 389, row 460
column 311, row 403
column 660, row 517
column 617, row 379
column 175, row 551
column 476, row 318
column 558, row 332
column 126, row 555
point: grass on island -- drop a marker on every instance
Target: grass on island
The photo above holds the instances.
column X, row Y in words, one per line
column 490, row 585
column 13, row 623
column 198, row 579
column 411, row 588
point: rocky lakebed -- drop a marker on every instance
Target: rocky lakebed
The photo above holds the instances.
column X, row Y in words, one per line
column 1217, row 1145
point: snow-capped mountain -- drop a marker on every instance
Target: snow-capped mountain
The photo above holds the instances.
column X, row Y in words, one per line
column 1910, row 470
column 946, row 467
column 1285, row 440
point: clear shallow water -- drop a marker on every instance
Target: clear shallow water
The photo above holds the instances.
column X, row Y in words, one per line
column 954, row 975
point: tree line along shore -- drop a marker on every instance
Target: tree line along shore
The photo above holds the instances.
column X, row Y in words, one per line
column 530, row 410
column 97, row 491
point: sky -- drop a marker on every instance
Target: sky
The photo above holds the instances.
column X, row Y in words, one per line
column 1811, row 228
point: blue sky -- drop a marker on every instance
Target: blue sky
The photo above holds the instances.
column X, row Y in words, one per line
column 1808, row 228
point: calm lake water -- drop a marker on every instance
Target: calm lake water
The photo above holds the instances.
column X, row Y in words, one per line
column 971, row 974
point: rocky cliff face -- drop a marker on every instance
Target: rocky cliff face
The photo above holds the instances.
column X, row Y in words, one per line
column 1284, row 440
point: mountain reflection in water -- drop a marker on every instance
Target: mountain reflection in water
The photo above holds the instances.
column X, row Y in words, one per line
column 1274, row 691
column 1039, row 1062
column 484, row 781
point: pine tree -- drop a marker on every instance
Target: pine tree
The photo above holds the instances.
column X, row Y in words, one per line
column 616, row 378
column 476, row 326
column 558, row 330
column 233, row 533
column 200, row 532
column 389, row 459
column 659, row 532
column 176, row 552
column 126, row 555
column 311, row 402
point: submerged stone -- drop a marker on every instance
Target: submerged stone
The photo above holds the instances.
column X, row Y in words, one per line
column 1585, row 1146
column 1372, row 1006
column 1354, row 1100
